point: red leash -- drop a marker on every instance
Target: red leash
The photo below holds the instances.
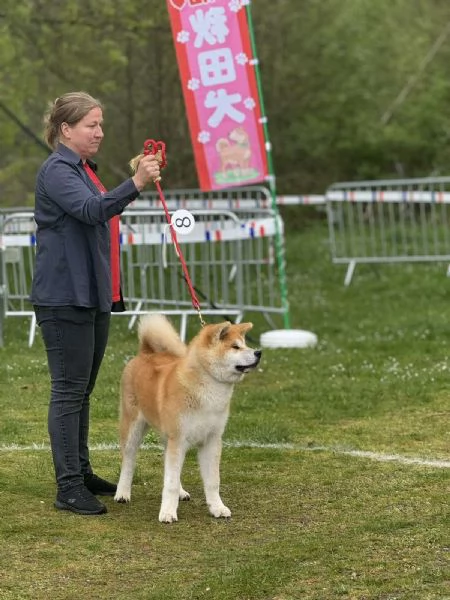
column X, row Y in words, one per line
column 158, row 149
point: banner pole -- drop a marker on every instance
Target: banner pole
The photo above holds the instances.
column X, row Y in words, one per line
column 279, row 243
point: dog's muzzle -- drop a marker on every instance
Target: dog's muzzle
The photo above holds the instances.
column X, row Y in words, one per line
column 247, row 368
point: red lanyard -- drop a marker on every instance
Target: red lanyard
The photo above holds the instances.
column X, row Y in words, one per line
column 93, row 177
column 114, row 228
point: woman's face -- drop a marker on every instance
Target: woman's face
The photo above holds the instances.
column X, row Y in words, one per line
column 84, row 137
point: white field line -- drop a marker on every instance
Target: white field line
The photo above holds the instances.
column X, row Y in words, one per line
column 376, row 456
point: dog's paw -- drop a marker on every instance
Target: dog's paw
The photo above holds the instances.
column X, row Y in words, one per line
column 122, row 498
column 184, row 495
column 219, row 511
column 167, row 517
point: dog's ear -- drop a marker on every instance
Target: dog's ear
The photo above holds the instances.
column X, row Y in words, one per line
column 216, row 333
column 244, row 327
column 223, row 329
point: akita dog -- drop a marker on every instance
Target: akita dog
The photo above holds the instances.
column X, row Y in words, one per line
column 183, row 392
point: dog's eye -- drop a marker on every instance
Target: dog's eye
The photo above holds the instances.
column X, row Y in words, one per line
column 236, row 346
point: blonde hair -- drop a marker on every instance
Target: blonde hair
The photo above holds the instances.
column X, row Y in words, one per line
column 134, row 162
column 69, row 108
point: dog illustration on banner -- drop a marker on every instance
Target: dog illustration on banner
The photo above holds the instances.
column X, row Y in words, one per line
column 234, row 151
column 235, row 155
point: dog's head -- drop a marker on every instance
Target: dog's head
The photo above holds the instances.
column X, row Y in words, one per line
column 238, row 135
column 222, row 351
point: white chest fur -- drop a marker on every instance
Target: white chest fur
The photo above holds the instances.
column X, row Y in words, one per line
column 209, row 417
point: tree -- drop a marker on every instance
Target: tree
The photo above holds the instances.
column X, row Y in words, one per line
column 330, row 70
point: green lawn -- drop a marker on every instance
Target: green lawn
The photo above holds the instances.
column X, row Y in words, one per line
column 311, row 519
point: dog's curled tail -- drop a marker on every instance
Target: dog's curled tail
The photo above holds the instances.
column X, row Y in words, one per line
column 157, row 334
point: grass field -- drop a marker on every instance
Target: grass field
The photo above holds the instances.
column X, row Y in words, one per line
column 336, row 465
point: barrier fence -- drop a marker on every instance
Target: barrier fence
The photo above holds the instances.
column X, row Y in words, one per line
column 405, row 220
column 230, row 256
column 233, row 199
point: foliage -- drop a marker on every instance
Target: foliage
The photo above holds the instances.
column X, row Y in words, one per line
column 331, row 69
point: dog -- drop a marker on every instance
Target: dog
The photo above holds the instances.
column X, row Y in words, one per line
column 184, row 393
column 234, row 151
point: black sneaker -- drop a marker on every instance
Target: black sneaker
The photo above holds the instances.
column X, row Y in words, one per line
column 79, row 500
column 97, row 485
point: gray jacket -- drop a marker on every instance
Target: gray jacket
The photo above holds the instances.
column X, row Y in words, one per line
column 73, row 245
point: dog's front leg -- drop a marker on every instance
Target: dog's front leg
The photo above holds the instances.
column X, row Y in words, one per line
column 174, row 455
column 209, row 460
column 130, row 445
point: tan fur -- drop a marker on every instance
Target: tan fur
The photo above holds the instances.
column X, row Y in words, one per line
column 184, row 393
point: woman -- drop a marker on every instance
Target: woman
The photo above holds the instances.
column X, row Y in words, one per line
column 73, row 291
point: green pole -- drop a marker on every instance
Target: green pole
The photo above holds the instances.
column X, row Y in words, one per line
column 279, row 243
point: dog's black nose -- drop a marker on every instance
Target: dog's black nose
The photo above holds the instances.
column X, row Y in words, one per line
column 258, row 353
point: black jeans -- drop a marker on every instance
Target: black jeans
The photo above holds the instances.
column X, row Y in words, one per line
column 75, row 340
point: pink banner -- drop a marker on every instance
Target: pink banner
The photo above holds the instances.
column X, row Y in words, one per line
column 217, row 73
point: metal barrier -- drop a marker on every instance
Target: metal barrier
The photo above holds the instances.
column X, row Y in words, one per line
column 17, row 243
column 230, row 257
column 405, row 220
column 230, row 261
column 235, row 199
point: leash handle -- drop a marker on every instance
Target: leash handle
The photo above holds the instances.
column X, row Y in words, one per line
column 158, row 149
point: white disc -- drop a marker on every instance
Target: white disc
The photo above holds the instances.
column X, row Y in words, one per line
column 182, row 221
column 288, row 338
